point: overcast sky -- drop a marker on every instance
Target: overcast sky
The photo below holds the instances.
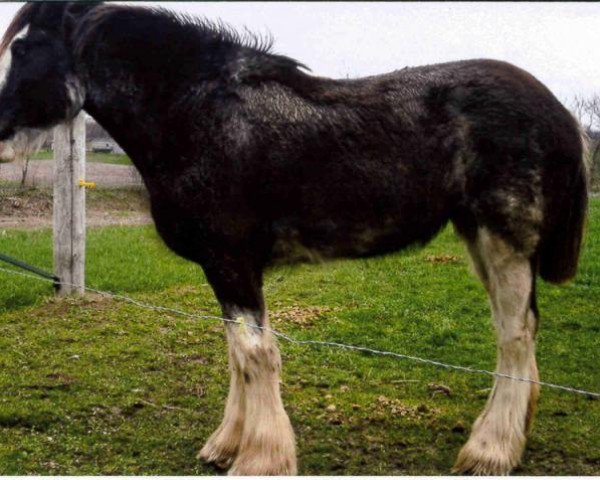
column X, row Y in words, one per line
column 558, row 42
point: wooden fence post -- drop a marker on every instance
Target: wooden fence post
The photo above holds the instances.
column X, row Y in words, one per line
column 69, row 205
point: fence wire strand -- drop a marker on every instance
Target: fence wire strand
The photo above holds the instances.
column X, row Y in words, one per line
column 319, row 343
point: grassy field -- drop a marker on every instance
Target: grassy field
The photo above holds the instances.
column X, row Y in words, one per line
column 95, row 157
column 94, row 386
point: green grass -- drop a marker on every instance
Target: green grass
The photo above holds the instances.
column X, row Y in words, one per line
column 94, row 157
column 94, row 386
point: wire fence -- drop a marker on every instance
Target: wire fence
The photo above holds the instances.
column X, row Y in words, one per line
column 318, row 343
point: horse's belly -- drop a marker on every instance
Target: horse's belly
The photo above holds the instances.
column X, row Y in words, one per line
column 329, row 239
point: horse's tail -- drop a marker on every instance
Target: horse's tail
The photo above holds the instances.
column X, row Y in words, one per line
column 565, row 216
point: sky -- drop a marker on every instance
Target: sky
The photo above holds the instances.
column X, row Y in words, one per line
column 559, row 43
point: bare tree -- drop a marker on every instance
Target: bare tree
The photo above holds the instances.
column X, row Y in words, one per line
column 587, row 111
column 25, row 143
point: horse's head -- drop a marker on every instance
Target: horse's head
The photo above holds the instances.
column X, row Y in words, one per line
column 39, row 85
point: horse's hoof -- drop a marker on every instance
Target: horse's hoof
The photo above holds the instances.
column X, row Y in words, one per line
column 263, row 467
column 217, row 455
column 479, row 461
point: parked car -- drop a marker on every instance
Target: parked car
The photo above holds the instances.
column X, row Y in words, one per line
column 103, row 146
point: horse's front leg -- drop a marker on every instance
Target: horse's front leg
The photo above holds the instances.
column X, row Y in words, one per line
column 255, row 437
column 223, row 445
column 267, row 444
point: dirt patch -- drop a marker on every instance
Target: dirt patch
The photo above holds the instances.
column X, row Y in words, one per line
column 437, row 259
column 303, row 316
column 32, row 208
column 59, row 307
column 385, row 406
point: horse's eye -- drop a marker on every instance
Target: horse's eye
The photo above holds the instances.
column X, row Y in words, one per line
column 19, row 50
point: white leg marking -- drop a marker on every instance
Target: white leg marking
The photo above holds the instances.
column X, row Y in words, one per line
column 222, row 446
column 267, row 445
column 498, row 437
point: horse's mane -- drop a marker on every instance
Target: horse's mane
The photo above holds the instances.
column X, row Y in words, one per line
column 220, row 31
column 187, row 33
column 206, row 30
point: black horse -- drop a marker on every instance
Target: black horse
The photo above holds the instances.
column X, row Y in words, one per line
column 250, row 160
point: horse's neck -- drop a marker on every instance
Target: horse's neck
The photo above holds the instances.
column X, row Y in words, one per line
column 135, row 113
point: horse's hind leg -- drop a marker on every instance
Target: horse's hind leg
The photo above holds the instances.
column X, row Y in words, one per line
column 498, row 437
column 256, row 436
